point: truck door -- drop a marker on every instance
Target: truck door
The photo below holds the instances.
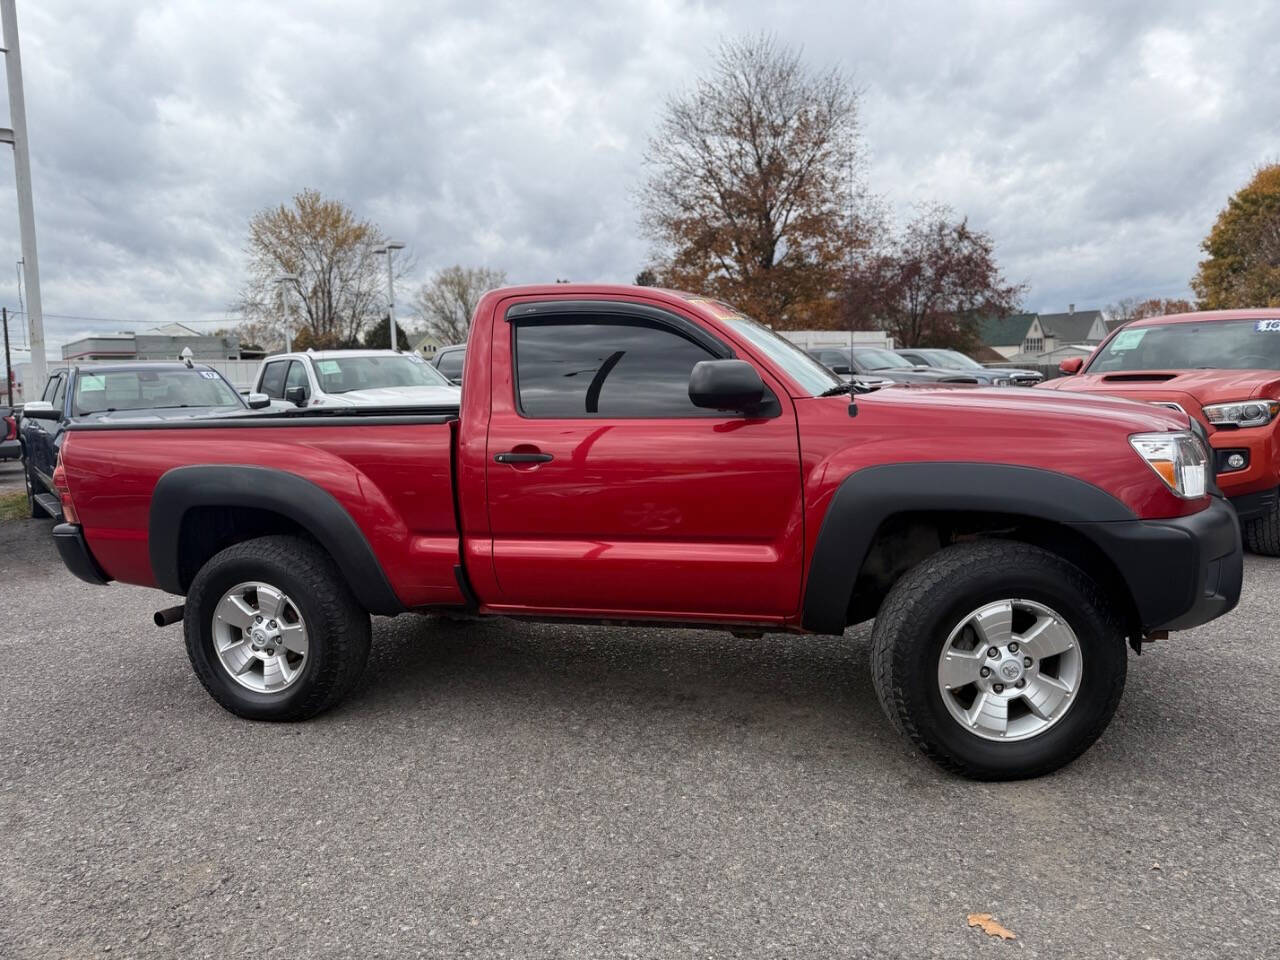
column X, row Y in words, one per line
column 610, row 491
column 40, row 436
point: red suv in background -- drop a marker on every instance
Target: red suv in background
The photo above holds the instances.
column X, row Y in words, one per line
column 1220, row 367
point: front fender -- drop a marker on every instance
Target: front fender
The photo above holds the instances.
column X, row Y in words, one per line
column 868, row 497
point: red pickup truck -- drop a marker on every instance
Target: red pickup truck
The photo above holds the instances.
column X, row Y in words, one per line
column 1221, row 367
column 631, row 455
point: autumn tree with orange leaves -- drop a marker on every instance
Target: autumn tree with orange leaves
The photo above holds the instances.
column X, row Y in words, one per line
column 341, row 285
column 752, row 194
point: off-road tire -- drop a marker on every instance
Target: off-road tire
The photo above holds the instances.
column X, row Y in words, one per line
column 1262, row 534
column 338, row 628
column 927, row 603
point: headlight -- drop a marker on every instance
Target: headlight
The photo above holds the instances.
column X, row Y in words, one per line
column 1002, row 381
column 1179, row 459
column 1244, row 413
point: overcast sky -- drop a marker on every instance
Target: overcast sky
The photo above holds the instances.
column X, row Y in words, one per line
column 1094, row 140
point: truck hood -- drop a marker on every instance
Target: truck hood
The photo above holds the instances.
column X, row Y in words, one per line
column 1201, row 386
column 395, row 397
column 1029, row 406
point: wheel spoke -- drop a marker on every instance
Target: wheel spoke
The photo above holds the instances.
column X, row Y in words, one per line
column 989, row 712
column 1047, row 638
column 238, row 657
column 959, row 668
column 271, row 602
column 235, row 610
column 994, row 624
column 1044, row 695
column 294, row 637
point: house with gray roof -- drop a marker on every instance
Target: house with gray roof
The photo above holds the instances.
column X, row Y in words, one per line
column 1026, row 336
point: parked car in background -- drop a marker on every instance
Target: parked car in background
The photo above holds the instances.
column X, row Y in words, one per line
column 448, row 360
column 351, row 378
column 1220, row 367
column 936, row 358
column 112, row 393
column 862, row 362
column 637, row 455
column 10, row 447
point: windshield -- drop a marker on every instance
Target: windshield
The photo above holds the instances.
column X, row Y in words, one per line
column 879, row 358
column 811, row 376
column 151, row 390
column 1211, row 345
column 344, row 374
column 956, row 360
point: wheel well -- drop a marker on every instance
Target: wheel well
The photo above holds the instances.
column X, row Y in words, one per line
column 207, row 530
column 904, row 539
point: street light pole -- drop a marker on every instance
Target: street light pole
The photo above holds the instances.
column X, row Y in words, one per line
column 22, row 175
column 391, row 286
column 281, row 281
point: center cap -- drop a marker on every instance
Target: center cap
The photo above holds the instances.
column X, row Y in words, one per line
column 1010, row 670
column 259, row 635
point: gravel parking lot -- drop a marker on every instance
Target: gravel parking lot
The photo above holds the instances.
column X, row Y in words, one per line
column 512, row 790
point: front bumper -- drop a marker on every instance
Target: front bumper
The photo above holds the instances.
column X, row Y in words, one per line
column 1180, row 571
column 69, row 539
column 10, row 449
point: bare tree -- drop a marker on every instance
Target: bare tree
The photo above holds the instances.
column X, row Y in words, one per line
column 445, row 303
column 341, row 285
column 928, row 286
column 1135, row 308
column 752, row 194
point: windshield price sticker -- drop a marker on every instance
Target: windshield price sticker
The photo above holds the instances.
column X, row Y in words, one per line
column 1128, row 339
column 1268, row 326
column 328, row 366
column 90, row 382
column 208, row 375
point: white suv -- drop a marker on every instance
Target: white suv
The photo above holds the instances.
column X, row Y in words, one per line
column 354, row 378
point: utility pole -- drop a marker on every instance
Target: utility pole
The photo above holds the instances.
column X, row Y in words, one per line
column 22, row 174
column 8, row 367
column 391, row 286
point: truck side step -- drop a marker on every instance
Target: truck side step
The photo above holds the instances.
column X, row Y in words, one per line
column 50, row 505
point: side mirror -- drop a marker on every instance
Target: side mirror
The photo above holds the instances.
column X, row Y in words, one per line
column 257, row 401
column 1071, row 366
column 296, row 395
column 41, row 410
column 842, row 369
column 725, row 385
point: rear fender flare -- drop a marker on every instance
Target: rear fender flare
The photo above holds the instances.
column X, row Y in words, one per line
column 311, row 507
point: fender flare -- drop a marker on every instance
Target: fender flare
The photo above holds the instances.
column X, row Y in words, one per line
column 306, row 504
column 868, row 497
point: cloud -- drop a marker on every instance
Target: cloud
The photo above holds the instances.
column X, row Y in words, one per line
column 1095, row 141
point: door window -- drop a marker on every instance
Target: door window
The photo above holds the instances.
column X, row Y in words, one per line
column 605, row 367
column 51, row 387
column 60, row 393
column 273, row 380
column 451, row 363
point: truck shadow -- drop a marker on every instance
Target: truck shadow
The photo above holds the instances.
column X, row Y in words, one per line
column 699, row 682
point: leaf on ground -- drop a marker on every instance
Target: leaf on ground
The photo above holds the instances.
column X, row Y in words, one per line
column 991, row 927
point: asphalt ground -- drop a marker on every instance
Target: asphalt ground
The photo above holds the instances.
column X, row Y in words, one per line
column 502, row 789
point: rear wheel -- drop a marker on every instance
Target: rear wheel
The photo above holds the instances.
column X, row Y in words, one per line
column 1262, row 534
column 272, row 630
column 999, row 660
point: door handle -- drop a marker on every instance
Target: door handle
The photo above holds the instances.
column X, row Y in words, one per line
column 512, row 457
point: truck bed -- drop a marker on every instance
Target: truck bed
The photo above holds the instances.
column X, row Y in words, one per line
column 391, row 471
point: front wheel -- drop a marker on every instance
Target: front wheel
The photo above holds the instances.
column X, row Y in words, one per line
column 999, row 660
column 272, row 630
column 1262, row 534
